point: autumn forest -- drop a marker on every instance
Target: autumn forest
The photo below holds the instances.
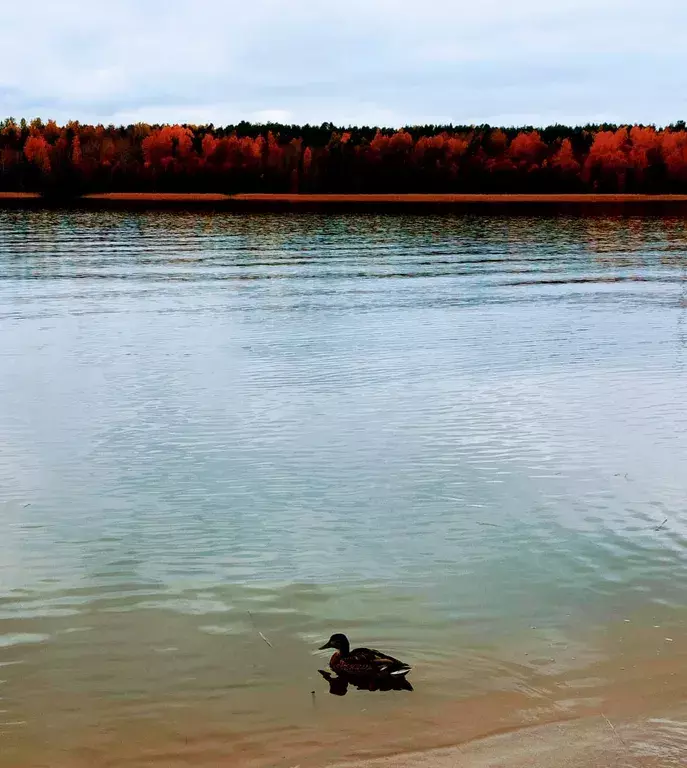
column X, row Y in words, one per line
column 76, row 159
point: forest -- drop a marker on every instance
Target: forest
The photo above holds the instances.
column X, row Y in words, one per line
column 76, row 159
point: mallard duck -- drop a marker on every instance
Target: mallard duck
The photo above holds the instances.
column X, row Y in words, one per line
column 362, row 662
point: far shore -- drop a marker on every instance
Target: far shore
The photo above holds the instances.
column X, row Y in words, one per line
column 370, row 202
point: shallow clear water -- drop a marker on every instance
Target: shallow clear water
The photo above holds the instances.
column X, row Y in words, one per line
column 460, row 439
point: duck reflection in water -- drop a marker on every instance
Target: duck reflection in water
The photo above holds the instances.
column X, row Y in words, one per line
column 338, row 685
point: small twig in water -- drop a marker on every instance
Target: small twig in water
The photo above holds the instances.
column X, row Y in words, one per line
column 258, row 631
column 491, row 525
column 658, row 527
column 617, row 735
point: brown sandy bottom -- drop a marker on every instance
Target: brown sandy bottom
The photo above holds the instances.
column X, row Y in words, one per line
column 593, row 742
column 627, row 711
column 601, row 714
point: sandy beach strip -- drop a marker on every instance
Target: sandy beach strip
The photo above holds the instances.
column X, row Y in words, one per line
column 371, row 199
column 267, row 201
column 592, row 742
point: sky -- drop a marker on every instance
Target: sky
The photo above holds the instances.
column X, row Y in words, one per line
column 372, row 62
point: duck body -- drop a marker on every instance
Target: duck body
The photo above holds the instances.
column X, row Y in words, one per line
column 363, row 662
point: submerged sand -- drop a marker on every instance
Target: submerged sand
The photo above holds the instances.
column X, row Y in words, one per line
column 592, row 742
column 629, row 710
column 625, row 706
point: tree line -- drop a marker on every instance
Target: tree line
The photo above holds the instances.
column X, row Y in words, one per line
column 76, row 159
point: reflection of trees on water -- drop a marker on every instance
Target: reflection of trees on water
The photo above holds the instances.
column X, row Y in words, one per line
column 338, row 684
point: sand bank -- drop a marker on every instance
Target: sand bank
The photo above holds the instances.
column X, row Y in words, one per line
column 372, row 202
column 19, row 196
column 593, row 742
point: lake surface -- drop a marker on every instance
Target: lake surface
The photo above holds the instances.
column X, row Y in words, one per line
column 461, row 439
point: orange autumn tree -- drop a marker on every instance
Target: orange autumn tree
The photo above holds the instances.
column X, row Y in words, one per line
column 497, row 162
column 234, row 161
column 674, row 155
column 209, row 146
column 10, row 149
column 643, row 154
column 608, row 162
column 76, row 158
column 37, row 152
column 387, row 161
column 439, row 158
column 307, row 172
column 167, row 148
column 564, row 160
column 527, row 150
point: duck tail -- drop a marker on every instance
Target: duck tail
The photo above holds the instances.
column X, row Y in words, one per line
column 402, row 672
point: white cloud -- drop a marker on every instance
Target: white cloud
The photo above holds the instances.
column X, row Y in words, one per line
column 365, row 61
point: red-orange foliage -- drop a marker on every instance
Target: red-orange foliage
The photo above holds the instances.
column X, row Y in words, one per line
column 275, row 153
column 398, row 143
column 37, row 151
column 527, row 149
column 674, row 152
column 644, row 150
column 307, row 160
column 608, row 161
column 564, row 159
column 8, row 158
column 77, row 156
column 441, row 153
column 325, row 159
column 107, row 152
column 497, row 142
column 442, row 146
column 162, row 147
column 208, row 146
column 51, row 132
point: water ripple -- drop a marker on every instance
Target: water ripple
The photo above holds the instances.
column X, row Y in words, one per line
column 459, row 438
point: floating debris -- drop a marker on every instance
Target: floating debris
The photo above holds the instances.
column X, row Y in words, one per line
column 258, row 631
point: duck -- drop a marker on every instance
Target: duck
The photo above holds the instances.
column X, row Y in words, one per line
column 362, row 662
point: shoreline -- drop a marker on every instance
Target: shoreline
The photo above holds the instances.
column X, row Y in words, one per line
column 587, row 742
column 606, row 715
column 256, row 202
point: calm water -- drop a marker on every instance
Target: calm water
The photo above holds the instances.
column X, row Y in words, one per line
column 460, row 439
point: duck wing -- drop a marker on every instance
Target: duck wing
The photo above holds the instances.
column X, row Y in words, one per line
column 368, row 660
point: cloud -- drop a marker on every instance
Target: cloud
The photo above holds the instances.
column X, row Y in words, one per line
column 365, row 61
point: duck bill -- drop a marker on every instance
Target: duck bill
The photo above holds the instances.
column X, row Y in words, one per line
column 324, row 647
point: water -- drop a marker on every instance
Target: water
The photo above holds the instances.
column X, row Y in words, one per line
column 460, row 439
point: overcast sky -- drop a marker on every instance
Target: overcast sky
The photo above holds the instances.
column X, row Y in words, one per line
column 389, row 62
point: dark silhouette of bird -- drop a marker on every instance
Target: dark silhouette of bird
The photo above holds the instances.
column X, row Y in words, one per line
column 363, row 662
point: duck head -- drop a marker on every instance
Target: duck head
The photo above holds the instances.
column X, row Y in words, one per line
column 339, row 643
